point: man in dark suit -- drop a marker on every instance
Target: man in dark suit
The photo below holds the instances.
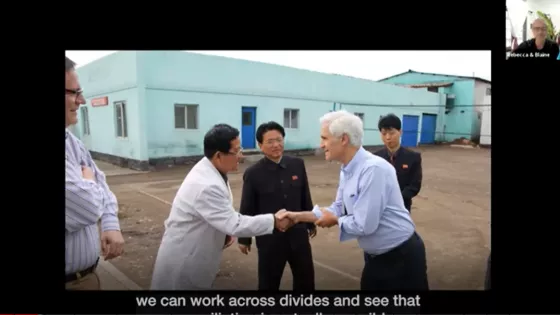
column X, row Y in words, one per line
column 279, row 182
column 407, row 162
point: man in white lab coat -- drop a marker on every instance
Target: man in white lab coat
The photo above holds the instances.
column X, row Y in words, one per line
column 202, row 218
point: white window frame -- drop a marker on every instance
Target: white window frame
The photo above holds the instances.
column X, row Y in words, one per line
column 290, row 111
column 186, row 107
column 85, row 121
column 119, row 106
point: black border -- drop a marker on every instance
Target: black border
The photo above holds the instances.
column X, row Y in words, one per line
column 524, row 208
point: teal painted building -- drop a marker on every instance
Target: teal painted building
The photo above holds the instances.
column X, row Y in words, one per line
column 150, row 106
column 465, row 100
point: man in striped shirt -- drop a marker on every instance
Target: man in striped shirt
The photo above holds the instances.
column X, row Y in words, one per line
column 88, row 199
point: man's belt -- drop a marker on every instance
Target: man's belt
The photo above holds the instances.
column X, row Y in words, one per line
column 78, row 275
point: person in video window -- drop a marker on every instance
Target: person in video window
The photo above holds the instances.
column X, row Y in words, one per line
column 540, row 47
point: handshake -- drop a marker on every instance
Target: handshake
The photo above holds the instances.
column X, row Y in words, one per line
column 283, row 220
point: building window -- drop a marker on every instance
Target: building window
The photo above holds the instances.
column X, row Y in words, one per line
column 120, row 114
column 450, row 102
column 361, row 115
column 433, row 89
column 488, row 91
column 291, row 118
column 246, row 119
column 186, row 116
column 85, row 120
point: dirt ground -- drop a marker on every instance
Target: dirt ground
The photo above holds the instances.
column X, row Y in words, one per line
column 452, row 214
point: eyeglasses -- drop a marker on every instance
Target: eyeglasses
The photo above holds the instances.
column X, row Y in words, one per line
column 236, row 153
column 77, row 92
column 273, row 141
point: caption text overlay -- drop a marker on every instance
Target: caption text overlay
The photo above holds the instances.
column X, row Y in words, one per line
column 287, row 300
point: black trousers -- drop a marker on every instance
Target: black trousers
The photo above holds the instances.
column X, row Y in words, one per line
column 408, row 204
column 402, row 268
column 272, row 261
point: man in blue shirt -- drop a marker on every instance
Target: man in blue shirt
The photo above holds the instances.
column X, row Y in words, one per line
column 369, row 207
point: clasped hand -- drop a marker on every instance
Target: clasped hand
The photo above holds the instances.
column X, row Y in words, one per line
column 286, row 219
column 283, row 221
column 327, row 219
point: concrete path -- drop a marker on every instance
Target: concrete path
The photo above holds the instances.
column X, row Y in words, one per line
column 113, row 170
column 112, row 278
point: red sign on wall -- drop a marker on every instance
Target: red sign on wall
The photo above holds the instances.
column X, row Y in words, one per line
column 100, row 101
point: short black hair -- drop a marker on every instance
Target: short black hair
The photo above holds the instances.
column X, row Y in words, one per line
column 70, row 64
column 268, row 126
column 389, row 121
column 218, row 139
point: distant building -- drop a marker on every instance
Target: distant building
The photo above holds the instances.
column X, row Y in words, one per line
column 486, row 129
column 151, row 107
column 466, row 100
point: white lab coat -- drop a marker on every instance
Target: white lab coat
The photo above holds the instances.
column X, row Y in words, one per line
column 201, row 216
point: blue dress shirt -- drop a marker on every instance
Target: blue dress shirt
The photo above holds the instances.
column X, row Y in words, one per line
column 369, row 205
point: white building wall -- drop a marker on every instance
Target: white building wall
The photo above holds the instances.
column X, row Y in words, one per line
column 516, row 12
column 481, row 96
column 483, row 100
column 485, row 127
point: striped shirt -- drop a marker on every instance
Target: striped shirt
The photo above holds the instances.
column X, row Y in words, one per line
column 87, row 201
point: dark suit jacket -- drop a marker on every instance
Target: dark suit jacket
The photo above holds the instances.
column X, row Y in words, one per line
column 409, row 172
column 269, row 187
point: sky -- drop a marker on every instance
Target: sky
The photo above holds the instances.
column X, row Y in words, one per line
column 371, row 65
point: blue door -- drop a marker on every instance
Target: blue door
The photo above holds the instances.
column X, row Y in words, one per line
column 428, row 133
column 248, row 115
column 410, row 131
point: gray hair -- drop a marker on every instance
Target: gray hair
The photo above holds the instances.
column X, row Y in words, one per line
column 70, row 64
column 342, row 122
